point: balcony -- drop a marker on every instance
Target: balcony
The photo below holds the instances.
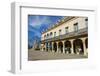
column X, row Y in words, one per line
column 80, row 32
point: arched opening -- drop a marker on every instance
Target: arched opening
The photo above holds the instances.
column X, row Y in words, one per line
column 86, row 43
column 67, row 46
column 78, row 46
column 51, row 34
column 44, row 36
column 55, row 47
column 47, row 36
column 60, row 46
column 44, row 46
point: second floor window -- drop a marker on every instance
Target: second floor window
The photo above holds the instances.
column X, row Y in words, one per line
column 76, row 27
column 86, row 22
column 60, row 32
column 54, row 34
column 44, row 36
column 66, row 30
column 50, row 34
column 47, row 35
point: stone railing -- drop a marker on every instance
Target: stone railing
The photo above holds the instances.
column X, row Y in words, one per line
column 68, row 35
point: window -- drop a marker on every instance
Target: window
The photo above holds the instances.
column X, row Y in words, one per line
column 50, row 34
column 54, row 34
column 86, row 22
column 66, row 30
column 47, row 35
column 60, row 32
column 76, row 27
column 44, row 36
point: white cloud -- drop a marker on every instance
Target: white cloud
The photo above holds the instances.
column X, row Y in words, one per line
column 39, row 21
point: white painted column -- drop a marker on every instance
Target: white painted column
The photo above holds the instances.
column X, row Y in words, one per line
column 57, row 47
column 72, row 47
column 48, row 46
column 84, row 46
column 63, row 46
column 52, row 47
column 45, row 47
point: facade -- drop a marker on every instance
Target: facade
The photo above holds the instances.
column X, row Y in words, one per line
column 69, row 35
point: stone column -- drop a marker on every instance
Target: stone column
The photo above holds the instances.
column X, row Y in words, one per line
column 52, row 47
column 84, row 46
column 63, row 46
column 45, row 46
column 72, row 48
column 48, row 46
column 57, row 47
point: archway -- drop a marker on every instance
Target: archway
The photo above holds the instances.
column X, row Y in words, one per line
column 86, row 43
column 55, row 47
column 60, row 46
column 44, row 46
column 67, row 46
column 78, row 46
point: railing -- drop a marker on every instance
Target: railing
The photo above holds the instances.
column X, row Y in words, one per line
column 68, row 35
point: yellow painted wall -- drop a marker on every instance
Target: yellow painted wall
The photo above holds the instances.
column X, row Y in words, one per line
column 70, row 24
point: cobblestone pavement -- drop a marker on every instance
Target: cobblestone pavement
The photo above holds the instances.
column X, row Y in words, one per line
column 43, row 55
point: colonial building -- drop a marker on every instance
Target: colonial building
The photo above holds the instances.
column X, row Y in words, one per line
column 69, row 35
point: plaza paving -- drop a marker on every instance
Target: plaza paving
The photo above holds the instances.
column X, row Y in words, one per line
column 43, row 55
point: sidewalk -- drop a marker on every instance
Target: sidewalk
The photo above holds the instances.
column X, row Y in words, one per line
column 43, row 55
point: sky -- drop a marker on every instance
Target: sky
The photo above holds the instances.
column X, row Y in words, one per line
column 39, row 23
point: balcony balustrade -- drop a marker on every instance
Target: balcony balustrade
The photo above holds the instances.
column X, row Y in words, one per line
column 68, row 35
